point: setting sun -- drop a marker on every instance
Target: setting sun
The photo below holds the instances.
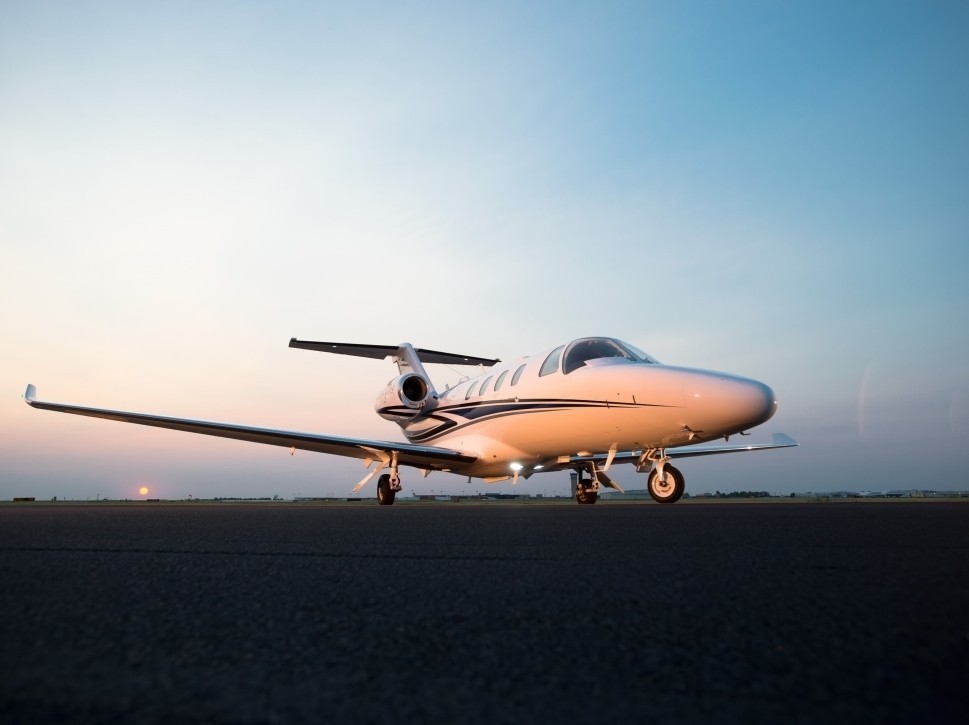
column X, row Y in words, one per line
column 143, row 490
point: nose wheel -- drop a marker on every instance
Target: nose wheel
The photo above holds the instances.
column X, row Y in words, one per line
column 665, row 484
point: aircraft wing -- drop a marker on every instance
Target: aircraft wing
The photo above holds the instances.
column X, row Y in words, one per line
column 424, row 457
column 778, row 440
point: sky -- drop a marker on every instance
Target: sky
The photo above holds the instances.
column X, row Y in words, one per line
column 777, row 190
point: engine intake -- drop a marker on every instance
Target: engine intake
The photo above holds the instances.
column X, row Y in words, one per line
column 412, row 390
column 403, row 397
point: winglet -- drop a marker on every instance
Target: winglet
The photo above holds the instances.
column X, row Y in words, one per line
column 782, row 440
column 30, row 395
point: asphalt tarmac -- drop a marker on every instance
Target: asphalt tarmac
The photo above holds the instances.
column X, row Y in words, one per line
column 830, row 612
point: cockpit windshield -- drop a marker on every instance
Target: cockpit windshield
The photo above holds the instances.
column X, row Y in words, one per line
column 591, row 350
column 643, row 357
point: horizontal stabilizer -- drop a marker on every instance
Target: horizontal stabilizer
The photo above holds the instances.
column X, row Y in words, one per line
column 380, row 352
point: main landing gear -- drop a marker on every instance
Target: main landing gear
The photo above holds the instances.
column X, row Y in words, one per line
column 586, row 495
column 387, row 487
column 586, row 489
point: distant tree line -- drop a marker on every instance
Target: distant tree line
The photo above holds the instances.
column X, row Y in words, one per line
column 742, row 494
column 246, row 498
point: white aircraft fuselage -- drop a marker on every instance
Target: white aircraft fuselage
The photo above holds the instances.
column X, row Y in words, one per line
column 616, row 405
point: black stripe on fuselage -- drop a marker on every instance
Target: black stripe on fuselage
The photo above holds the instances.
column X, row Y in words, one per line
column 478, row 412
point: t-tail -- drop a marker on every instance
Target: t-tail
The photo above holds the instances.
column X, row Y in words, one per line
column 411, row 394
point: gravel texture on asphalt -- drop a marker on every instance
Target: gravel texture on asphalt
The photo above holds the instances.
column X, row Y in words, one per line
column 742, row 613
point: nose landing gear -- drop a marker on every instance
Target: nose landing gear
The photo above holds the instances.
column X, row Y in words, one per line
column 665, row 484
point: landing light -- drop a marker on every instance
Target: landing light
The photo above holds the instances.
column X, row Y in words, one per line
column 516, row 467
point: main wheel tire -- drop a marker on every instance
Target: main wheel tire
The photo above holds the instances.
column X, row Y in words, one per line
column 385, row 494
column 586, row 497
column 669, row 488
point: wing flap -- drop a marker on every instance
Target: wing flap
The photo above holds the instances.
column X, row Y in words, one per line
column 407, row 454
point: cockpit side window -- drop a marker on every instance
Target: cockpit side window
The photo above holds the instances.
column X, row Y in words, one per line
column 551, row 363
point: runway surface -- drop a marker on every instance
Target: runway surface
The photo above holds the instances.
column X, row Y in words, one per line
column 484, row 613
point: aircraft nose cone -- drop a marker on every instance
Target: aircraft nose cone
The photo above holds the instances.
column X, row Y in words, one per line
column 724, row 404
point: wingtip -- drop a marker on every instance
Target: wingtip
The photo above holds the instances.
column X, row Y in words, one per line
column 782, row 439
column 30, row 395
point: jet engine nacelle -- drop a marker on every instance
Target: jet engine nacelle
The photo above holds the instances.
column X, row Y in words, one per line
column 403, row 398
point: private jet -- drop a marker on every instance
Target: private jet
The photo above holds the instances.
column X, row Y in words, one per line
column 586, row 406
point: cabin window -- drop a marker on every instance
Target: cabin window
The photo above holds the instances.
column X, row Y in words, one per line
column 484, row 386
column 551, row 363
column 470, row 390
column 500, row 380
column 518, row 374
